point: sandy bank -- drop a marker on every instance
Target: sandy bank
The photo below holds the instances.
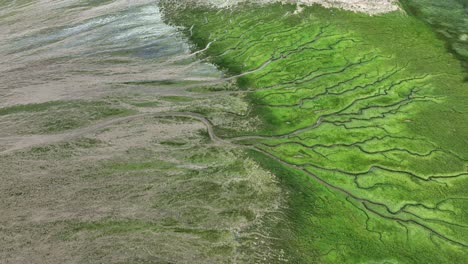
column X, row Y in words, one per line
column 367, row 6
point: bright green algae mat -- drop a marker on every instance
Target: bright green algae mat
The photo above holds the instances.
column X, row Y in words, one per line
column 364, row 122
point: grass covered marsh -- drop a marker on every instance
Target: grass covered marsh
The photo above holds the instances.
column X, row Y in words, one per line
column 364, row 121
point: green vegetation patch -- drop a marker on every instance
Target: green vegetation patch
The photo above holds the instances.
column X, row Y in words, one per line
column 135, row 166
column 30, row 107
column 162, row 82
column 60, row 151
column 58, row 116
column 362, row 118
column 109, row 227
column 176, row 99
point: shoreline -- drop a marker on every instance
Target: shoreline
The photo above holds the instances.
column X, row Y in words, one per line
column 371, row 7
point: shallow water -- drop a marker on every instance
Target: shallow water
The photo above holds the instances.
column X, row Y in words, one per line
column 53, row 50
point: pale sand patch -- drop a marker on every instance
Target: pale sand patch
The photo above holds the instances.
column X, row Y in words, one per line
column 367, row 6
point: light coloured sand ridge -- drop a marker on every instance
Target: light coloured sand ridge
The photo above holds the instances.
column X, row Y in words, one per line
column 366, row 6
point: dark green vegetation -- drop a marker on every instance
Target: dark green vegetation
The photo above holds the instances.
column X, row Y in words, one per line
column 449, row 18
column 364, row 121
